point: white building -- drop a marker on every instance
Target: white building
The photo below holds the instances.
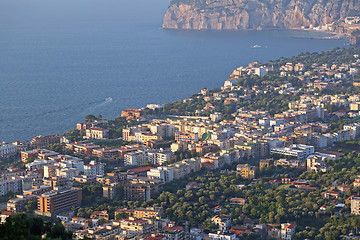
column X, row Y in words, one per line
column 299, row 151
column 162, row 173
column 159, row 157
column 96, row 133
column 14, row 186
column 260, row 71
column 354, row 129
column 68, row 173
column 319, row 140
column 73, row 163
column 7, row 150
column 163, row 130
column 355, row 205
column 94, row 168
column 135, row 158
column 196, row 234
column 39, row 164
column 316, row 163
column 219, row 236
column 216, row 116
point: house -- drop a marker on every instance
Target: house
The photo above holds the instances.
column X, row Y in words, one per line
column 332, row 193
column 217, row 209
column 287, row 231
column 4, row 215
column 100, row 214
column 222, row 221
column 96, row 133
column 356, row 182
column 192, row 185
column 237, row 201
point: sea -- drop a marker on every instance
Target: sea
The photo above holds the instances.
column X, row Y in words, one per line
column 61, row 60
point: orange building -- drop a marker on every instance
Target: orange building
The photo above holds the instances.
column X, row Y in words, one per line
column 82, row 148
column 57, row 201
column 131, row 113
column 42, row 141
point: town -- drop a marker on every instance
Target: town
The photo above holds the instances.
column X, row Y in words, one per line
column 273, row 154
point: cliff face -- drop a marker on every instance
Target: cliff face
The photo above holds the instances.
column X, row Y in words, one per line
column 255, row 14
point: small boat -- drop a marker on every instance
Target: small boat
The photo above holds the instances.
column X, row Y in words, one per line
column 256, row 46
column 109, row 99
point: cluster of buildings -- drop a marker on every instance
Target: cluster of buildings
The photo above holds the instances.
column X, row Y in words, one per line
column 294, row 138
column 253, row 68
column 146, row 223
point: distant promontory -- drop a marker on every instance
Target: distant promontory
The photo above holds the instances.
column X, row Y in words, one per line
column 258, row 14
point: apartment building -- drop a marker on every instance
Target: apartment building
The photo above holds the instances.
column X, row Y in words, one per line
column 109, row 191
column 57, row 201
column 246, row 171
column 164, row 174
column 186, row 137
column 287, row 231
column 44, row 141
column 97, row 133
column 159, row 157
column 316, row 163
column 355, row 205
column 17, row 204
column 82, row 148
column 185, row 167
column 38, row 190
column 354, row 129
column 299, row 151
column 7, row 150
column 173, row 232
column 94, row 168
column 131, row 114
column 141, row 189
column 140, row 226
column 135, row 158
column 13, row 185
column 106, row 153
column 140, row 213
column 37, row 153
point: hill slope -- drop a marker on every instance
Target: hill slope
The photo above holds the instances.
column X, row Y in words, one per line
column 256, row 14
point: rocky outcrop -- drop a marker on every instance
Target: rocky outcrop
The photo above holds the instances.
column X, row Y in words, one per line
column 256, row 14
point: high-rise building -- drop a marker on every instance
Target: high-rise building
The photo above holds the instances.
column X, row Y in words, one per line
column 57, row 201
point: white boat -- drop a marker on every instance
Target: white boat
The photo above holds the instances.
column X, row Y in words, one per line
column 109, row 99
column 256, row 46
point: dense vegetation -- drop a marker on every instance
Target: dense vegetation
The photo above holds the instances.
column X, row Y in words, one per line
column 25, row 227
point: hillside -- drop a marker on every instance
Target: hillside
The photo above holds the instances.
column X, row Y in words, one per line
column 256, row 14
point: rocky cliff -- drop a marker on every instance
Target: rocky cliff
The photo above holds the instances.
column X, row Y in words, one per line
column 256, row 14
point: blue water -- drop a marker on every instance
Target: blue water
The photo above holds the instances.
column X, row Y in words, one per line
column 59, row 60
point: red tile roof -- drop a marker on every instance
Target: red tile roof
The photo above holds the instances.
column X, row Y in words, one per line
column 139, row 169
column 291, row 226
column 172, row 228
